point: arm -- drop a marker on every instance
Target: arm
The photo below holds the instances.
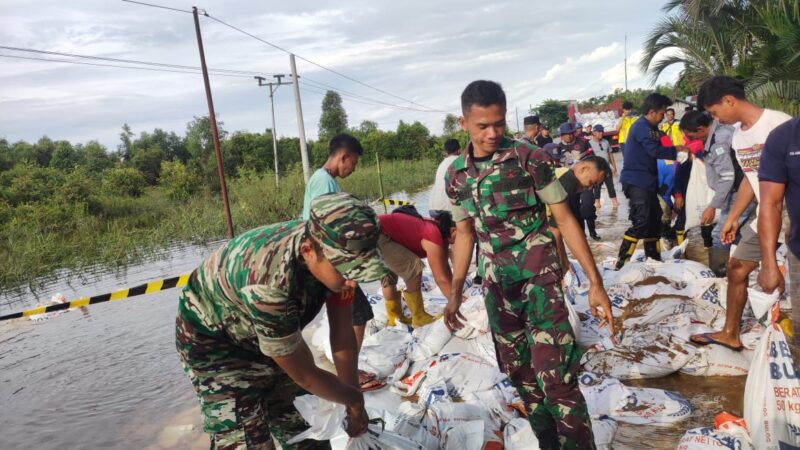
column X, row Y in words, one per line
column 651, row 146
column 611, row 158
column 462, row 255
column 561, row 249
column 769, row 226
column 437, row 259
column 576, row 240
column 343, row 342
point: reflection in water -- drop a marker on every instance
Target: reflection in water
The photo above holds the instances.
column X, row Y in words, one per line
column 112, row 379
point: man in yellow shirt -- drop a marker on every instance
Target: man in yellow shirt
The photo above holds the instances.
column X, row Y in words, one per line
column 672, row 128
column 625, row 123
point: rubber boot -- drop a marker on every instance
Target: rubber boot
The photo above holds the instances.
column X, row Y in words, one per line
column 626, row 250
column 718, row 260
column 705, row 232
column 652, row 248
column 418, row 315
column 592, row 230
column 394, row 313
column 680, row 236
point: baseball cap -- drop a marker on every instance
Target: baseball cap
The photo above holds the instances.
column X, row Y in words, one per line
column 566, row 128
column 347, row 229
column 531, row 120
column 599, row 128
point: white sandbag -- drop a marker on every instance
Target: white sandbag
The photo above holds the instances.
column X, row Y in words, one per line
column 324, row 418
column 574, row 319
column 718, row 360
column 411, row 421
column 665, row 355
column 482, row 346
column 655, row 310
column 378, row 304
column 384, row 351
column 681, row 269
column 463, row 372
column 761, row 302
column 435, row 391
column 518, row 435
column 651, row 406
column 591, row 334
column 698, row 194
column 379, row 439
column 604, row 429
column 502, row 406
column 643, row 335
column 467, row 436
column 707, row 438
column 630, row 274
column 427, row 341
column 772, row 392
column 477, row 319
column 447, row 416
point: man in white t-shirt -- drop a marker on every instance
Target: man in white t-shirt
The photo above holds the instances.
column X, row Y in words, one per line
column 724, row 97
column 439, row 202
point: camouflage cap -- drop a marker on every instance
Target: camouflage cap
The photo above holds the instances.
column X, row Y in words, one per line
column 348, row 230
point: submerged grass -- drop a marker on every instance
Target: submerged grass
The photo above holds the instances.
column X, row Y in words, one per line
column 116, row 231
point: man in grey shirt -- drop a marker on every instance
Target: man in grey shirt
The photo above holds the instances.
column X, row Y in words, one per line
column 602, row 149
column 723, row 175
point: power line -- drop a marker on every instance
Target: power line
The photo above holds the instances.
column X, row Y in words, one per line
column 128, row 61
column 319, row 65
column 157, row 6
column 33, row 58
column 350, row 95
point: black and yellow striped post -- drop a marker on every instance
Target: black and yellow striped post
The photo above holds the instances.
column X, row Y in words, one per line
column 143, row 289
column 390, row 202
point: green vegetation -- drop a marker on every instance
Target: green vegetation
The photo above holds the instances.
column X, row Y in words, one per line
column 70, row 206
column 757, row 41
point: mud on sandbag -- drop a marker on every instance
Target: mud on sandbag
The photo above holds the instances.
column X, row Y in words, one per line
column 666, row 354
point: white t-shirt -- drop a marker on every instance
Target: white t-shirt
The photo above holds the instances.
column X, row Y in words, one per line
column 749, row 143
column 439, row 200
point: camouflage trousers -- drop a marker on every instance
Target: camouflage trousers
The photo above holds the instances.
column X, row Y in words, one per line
column 536, row 348
column 245, row 398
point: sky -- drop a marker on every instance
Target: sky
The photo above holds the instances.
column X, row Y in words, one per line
column 423, row 53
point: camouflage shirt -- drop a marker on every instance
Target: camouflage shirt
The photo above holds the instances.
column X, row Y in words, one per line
column 506, row 201
column 571, row 153
column 256, row 290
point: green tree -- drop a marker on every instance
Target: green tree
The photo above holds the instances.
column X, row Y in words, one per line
column 334, row 118
column 6, row 157
column 450, row 124
column 95, row 158
column 64, row 156
column 29, row 183
column 148, row 162
column 367, row 126
column 123, row 181
column 43, row 151
column 552, row 113
column 177, row 180
column 125, row 147
column 412, row 141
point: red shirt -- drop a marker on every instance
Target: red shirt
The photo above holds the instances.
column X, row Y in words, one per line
column 409, row 231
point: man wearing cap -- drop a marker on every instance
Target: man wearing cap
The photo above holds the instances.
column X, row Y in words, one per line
column 572, row 148
column 601, row 148
column 240, row 319
column 532, row 126
column 543, row 138
column 498, row 188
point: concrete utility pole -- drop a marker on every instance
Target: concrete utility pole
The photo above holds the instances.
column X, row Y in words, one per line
column 213, row 118
column 272, row 88
column 300, row 126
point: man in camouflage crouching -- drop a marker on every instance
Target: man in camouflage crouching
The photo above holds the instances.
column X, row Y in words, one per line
column 241, row 316
column 499, row 187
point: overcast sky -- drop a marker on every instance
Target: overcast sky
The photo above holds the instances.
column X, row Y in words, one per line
column 422, row 51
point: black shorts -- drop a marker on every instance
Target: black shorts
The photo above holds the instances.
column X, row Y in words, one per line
column 362, row 310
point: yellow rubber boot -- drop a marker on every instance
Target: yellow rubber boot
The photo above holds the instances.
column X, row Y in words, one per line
column 394, row 312
column 418, row 315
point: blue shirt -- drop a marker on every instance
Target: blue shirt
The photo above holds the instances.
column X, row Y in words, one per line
column 666, row 180
column 642, row 150
column 780, row 163
column 319, row 184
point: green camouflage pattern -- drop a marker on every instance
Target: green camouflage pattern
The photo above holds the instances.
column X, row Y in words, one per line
column 348, row 231
column 536, row 347
column 505, row 201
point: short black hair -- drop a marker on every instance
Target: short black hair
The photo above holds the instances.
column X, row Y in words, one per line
column 627, row 105
column 452, row 146
column 693, row 120
column 655, row 101
column 482, row 93
column 714, row 88
column 671, row 109
column 344, row 141
column 599, row 163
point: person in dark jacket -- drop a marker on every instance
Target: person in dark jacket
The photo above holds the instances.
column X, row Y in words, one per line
column 639, row 179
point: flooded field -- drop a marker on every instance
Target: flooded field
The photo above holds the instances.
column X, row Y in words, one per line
column 110, row 378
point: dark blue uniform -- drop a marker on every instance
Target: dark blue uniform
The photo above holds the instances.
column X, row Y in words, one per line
column 639, row 180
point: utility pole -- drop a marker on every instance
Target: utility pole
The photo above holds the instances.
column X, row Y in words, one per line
column 516, row 108
column 213, row 118
column 301, row 127
column 626, row 63
column 272, row 88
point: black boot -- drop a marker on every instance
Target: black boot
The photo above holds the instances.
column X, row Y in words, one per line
column 718, row 260
column 626, row 250
column 652, row 248
column 705, row 231
column 592, row 230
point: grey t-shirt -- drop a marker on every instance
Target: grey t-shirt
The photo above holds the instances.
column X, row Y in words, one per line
column 601, row 149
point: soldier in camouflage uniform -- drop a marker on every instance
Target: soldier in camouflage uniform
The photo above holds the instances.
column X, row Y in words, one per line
column 499, row 188
column 240, row 320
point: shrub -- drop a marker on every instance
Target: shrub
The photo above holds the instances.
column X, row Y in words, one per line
column 178, row 181
column 125, row 181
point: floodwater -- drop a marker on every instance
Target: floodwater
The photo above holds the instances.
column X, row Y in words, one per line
column 111, row 379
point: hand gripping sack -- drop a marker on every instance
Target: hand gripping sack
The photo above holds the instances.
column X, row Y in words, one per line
column 772, row 392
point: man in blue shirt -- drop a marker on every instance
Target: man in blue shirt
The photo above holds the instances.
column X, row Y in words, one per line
column 639, row 179
column 343, row 154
